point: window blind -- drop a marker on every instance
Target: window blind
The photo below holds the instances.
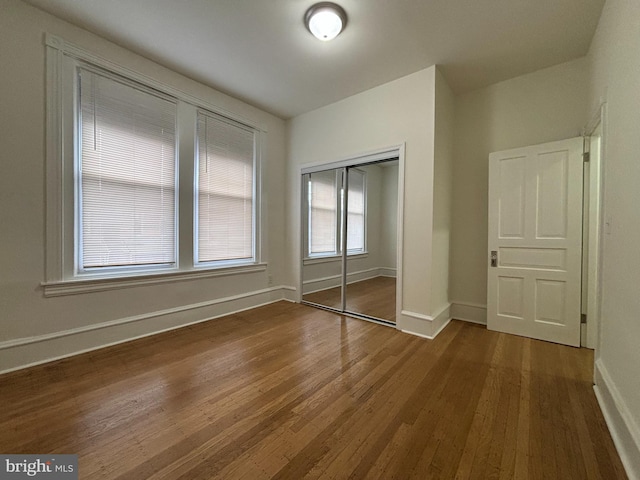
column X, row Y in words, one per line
column 225, row 184
column 355, row 211
column 323, row 211
column 127, row 169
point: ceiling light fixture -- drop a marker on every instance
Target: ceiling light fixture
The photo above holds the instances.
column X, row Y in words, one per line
column 325, row 20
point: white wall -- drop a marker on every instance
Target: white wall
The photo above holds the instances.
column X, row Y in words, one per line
column 442, row 192
column 614, row 61
column 389, row 216
column 543, row 106
column 398, row 112
column 25, row 315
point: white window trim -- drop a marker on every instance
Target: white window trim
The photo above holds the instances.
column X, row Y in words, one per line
column 72, row 127
column 309, row 258
column 202, row 265
column 333, row 258
column 60, row 232
column 307, row 222
column 77, row 286
column 365, row 214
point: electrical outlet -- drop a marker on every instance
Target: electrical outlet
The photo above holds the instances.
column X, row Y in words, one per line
column 270, row 280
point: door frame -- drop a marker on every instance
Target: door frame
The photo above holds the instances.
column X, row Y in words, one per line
column 592, row 287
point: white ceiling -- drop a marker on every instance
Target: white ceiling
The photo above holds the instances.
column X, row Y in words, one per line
column 259, row 50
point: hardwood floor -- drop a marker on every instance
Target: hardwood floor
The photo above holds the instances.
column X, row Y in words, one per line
column 287, row 391
column 375, row 297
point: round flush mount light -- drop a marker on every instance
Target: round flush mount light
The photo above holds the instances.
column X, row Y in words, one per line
column 325, row 20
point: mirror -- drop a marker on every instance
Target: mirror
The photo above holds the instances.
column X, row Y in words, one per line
column 322, row 259
column 352, row 208
column 371, row 240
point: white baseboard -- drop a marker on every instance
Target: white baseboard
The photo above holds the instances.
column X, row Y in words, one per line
column 387, row 272
column 624, row 431
column 290, row 294
column 469, row 312
column 333, row 281
column 26, row 352
column 424, row 326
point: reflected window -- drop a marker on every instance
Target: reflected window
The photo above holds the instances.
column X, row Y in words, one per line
column 325, row 198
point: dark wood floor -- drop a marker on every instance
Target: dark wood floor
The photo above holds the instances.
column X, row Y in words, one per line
column 288, row 391
column 375, row 297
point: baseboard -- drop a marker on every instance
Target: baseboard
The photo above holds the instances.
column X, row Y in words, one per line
column 290, row 294
column 625, row 433
column 424, row 326
column 26, row 352
column 469, row 312
column 333, row 281
column 387, row 272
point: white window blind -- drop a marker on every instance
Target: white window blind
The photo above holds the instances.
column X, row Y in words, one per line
column 127, row 169
column 323, row 213
column 355, row 211
column 225, row 196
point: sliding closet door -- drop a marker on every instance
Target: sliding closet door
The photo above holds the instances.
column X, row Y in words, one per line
column 322, row 238
column 349, row 232
column 371, row 226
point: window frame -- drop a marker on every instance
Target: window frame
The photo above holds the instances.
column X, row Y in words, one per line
column 254, row 202
column 363, row 250
column 62, row 276
column 336, row 252
column 310, row 258
column 79, row 269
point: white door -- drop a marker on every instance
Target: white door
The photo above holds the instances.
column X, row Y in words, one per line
column 535, row 241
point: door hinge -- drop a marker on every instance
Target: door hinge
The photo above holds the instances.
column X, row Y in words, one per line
column 583, row 318
column 586, row 157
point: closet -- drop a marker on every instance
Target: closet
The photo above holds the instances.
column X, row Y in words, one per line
column 349, row 238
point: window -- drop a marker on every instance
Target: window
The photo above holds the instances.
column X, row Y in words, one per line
column 356, row 225
column 224, row 200
column 323, row 214
column 127, row 174
column 324, row 201
column 142, row 179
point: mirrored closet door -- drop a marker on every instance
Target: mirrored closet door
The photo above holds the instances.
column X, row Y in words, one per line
column 322, row 238
column 349, row 218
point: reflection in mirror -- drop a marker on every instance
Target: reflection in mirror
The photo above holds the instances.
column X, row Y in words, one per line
column 322, row 261
column 367, row 284
column 371, row 240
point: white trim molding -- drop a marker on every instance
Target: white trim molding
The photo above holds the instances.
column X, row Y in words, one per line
column 424, row 326
column 72, row 287
column 333, row 258
column 388, row 272
column 469, row 312
column 29, row 351
column 388, row 153
column 624, row 431
column 289, row 293
column 62, row 276
column 333, row 281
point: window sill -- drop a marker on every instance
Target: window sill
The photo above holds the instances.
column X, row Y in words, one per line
column 333, row 258
column 89, row 285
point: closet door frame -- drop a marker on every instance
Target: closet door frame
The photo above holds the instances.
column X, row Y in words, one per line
column 393, row 152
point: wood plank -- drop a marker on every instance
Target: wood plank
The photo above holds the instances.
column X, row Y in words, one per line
column 288, row 391
column 375, row 297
